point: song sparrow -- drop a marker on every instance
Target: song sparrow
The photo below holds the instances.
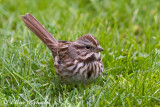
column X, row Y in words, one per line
column 77, row 61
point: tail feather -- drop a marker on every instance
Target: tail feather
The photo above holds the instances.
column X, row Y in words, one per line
column 40, row 31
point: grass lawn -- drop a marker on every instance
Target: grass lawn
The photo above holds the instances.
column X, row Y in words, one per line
column 128, row 30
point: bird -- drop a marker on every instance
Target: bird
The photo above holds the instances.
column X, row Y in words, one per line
column 76, row 61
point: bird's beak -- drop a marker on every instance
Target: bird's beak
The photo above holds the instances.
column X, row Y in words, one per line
column 99, row 48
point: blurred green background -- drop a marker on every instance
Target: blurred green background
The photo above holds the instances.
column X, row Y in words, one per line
column 128, row 30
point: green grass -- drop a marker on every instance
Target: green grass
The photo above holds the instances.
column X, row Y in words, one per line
column 129, row 31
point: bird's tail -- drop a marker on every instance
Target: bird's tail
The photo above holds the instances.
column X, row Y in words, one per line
column 40, row 31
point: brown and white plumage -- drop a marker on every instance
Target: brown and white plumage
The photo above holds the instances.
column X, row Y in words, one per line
column 76, row 61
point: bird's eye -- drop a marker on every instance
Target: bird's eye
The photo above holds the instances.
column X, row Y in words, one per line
column 87, row 47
